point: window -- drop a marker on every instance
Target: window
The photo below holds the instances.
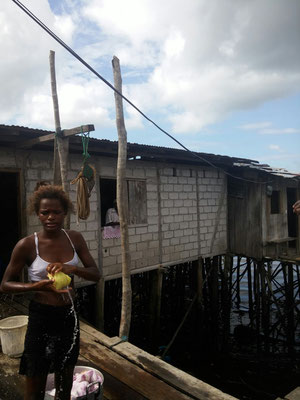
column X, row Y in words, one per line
column 137, row 196
column 275, row 202
column 108, row 195
column 236, row 188
column 137, row 204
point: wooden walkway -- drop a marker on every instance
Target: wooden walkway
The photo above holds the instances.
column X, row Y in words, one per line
column 129, row 372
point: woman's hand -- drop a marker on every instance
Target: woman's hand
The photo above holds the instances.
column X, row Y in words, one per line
column 53, row 268
column 46, row 285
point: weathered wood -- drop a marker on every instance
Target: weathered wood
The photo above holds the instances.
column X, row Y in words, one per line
column 57, row 175
column 126, row 372
column 155, row 306
column 99, row 336
column 64, row 133
column 122, row 204
column 137, row 197
column 172, row 375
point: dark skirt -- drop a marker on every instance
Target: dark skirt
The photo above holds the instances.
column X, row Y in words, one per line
column 51, row 341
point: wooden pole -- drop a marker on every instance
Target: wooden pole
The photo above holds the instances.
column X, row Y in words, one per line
column 56, row 165
column 61, row 145
column 122, row 204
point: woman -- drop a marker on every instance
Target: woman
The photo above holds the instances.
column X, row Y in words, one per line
column 52, row 338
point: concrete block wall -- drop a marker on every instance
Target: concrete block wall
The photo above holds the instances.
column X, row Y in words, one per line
column 184, row 217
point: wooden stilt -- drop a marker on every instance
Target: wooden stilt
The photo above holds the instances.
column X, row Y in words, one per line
column 250, row 294
column 155, row 307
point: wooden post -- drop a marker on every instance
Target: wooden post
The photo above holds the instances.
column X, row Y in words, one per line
column 226, row 300
column 56, row 164
column 155, row 306
column 61, row 145
column 122, row 204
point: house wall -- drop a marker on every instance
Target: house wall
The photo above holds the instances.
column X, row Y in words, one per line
column 187, row 217
column 275, row 228
column 35, row 166
column 186, row 213
column 245, row 218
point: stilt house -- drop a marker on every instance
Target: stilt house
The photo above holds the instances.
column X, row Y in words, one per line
column 181, row 207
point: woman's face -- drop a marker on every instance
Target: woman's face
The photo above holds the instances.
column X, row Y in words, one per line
column 51, row 214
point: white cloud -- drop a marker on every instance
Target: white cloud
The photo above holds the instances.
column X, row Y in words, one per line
column 274, row 147
column 256, row 126
column 283, row 131
column 194, row 62
column 266, row 128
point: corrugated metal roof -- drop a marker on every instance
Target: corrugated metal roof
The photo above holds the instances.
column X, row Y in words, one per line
column 149, row 152
column 270, row 170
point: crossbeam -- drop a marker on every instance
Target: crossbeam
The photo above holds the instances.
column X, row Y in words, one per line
column 64, row 133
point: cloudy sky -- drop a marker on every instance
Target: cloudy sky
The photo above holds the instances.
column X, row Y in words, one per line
column 222, row 77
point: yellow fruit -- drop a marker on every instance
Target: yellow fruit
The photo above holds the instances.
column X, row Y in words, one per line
column 60, row 280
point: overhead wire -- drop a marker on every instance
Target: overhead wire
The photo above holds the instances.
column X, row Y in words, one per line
column 71, row 51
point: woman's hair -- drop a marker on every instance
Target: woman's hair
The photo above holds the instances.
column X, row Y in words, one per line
column 47, row 191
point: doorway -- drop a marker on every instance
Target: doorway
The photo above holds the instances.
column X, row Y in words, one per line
column 291, row 194
column 10, row 216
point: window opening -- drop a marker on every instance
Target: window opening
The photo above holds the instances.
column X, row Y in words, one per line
column 137, row 199
column 275, row 202
column 291, row 217
column 108, row 192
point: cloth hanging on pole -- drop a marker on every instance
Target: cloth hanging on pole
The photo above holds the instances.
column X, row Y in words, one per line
column 85, row 182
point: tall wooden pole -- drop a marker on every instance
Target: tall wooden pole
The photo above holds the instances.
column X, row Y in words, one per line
column 122, row 204
column 61, row 145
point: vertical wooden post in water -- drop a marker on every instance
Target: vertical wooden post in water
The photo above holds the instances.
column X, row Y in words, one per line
column 122, row 204
column 155, row 306
column 226, row 299
column 250, row 296
column 290, row 306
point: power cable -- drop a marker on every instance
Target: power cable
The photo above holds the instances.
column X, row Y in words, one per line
column 70, row 50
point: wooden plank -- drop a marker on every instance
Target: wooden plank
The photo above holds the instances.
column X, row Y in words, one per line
column 113, row 389
column 282, row 240
column 294, row 395
column 99, row 336
column 126, row 372
column 64, row 133
column 174, row 376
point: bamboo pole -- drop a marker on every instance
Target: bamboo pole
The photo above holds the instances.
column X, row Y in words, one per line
column 122, row 204
column 61, row 145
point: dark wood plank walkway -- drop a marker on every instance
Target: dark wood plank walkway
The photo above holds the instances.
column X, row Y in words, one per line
column 129, row 372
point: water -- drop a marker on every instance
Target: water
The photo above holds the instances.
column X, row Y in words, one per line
column 75, row 334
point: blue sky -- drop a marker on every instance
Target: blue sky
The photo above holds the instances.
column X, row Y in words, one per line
column 222, row 77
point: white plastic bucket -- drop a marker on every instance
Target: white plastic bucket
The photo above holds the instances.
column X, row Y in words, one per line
column 12, row 334
column 95, row 395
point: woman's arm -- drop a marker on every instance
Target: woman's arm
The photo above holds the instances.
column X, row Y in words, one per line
column 11, row 279
column 89, row 272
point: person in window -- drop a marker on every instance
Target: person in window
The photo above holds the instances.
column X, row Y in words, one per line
column 112, row 223
column 112, row 216
column 296, row 207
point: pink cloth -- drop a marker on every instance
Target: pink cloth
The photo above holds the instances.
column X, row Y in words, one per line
column 110, row 232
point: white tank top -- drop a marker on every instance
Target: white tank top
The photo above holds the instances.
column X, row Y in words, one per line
column 37, row 270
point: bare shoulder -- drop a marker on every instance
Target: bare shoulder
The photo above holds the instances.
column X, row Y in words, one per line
column 24, row 249
column 25, row 243
column 76, row 238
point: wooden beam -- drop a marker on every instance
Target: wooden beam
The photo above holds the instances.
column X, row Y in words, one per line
column 64, row 133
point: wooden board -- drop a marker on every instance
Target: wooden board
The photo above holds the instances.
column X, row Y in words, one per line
column 172, row 375
column 142, row 382
column 64, row 133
